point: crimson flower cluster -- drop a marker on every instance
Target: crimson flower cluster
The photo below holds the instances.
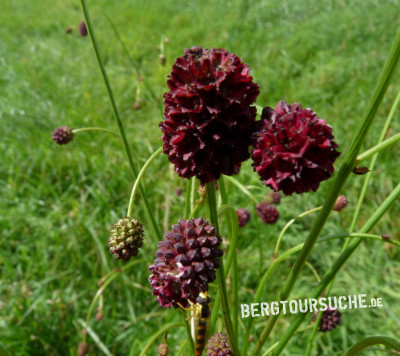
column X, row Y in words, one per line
column 208, row 120
column 294, row 149
column 185, row 262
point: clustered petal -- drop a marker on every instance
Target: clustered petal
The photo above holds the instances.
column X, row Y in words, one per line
column 208, row 120
column 218, row 345
column 126, row 238
column 83, row 29
column 243, row 216
column 330, row 319
column 185, row 262
column 63, row 135
column 267, row 213
column 294, row 149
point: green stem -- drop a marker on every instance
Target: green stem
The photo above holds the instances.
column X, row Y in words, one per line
column 373, row 162
column 274, row 264
column 82, row 129
column 139, row 178
column 232, row 222
column 188, row 331
column 376, row 149
column 360, row 200
column 187, row 198
column 313, row 334
column 344, row 172
column 220, row 272
column 111, row 276
column 302, row 215
column 373, row 340
column 242, row 188
column 340, row 261
column 117, row 117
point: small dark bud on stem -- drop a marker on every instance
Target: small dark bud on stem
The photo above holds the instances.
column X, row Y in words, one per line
column 360, row 170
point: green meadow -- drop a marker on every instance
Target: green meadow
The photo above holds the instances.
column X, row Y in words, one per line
column 58, row 203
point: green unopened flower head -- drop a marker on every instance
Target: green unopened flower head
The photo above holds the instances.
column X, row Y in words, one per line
column 126, row 238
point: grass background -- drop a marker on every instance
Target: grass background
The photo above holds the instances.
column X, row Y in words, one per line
column 58, row 203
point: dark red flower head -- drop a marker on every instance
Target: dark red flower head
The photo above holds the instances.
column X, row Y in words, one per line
column 83, row 29
column 218, row 345
column 267, row 212
column 185, row 262
column 294, row 149
column 330, row 319
column 208, row 120
column 63, row 135
column 243, row 216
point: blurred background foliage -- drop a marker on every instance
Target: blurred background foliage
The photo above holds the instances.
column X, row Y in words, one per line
column 58, row 203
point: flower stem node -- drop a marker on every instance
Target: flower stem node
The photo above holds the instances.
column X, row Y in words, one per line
column 294, row 149
column 63, row 135
column 185, row 262
column 218, row 345
column 208, row 117
column 126, row 238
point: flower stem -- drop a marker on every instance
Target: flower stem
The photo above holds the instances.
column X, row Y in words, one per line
column 274, row 264
column 359, row 203
column 82, row 129
column 373, row 340
column 376, row 149
column 117, row 117
column 373, row 162
column 220, row 272
column 232, row 222
column 106, row 281
column 278, row 242
column 139, row 178
column 344, row 172
column 340, row 261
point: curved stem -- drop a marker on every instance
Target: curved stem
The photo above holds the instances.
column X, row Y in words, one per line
column 379, row 147
column 82, row 129
column 110, row 278
column 243, row 189
column 139, row 178
column 290, row 222
column 117, row 117
column 373, row 340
